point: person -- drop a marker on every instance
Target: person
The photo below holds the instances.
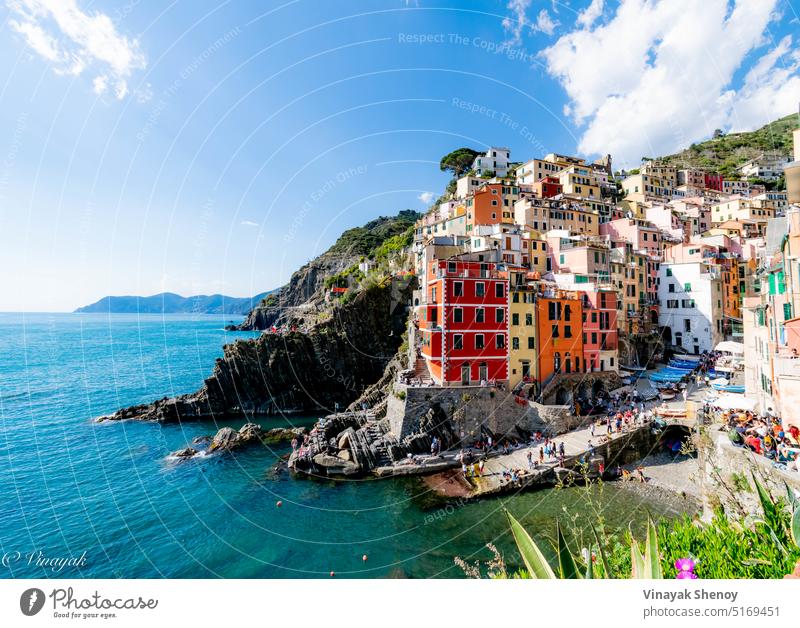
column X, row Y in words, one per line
column 481, row 464
column 541, row 455
column 294, row 444
column 489, row 443
column 601, row 469
column 561, row 448
column 464, row 470
column 530, row 460
column 591, row 448
column 592, row 428
column 640, row 473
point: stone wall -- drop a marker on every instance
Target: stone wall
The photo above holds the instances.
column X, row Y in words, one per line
column 725, row 469
column 473, row 407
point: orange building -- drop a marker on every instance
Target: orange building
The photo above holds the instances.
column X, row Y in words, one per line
column 560, row 333
column 490, row 206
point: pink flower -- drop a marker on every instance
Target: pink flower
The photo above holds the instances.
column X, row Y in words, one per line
column 686, row 575
column 684, row 564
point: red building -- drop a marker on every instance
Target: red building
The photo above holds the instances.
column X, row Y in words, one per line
column 713, row 181
column 600, row 330
column 547, row 187
column 464, row 324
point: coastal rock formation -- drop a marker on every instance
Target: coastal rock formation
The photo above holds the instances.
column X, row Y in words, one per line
column 302, row 299
column 352, row 443
column 228, row 439
column 333, row 363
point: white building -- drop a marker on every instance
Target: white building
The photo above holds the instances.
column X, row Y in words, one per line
column 768, row 166
column 691, row 309
column 495, row 160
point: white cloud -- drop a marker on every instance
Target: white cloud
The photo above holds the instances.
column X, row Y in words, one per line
column 589, row 15
column 73, row 40
column 426, row 197
column 249, row 223
column 545, row 23
column 516, row 23
column 658, row 75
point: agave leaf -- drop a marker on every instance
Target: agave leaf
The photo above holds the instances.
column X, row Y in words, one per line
column 637, row 561
column 651, row 557
column 794, row 501
column 601, row 554
column 795, row 528
column 532, row 556
column 766, row 500
column 566, row 563
column 589, row 567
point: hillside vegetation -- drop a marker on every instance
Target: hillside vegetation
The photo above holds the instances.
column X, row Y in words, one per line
column 725, row 152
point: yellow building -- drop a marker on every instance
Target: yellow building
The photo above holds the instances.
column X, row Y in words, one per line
column 522, row 331
column 579, row 181
column 641, row 187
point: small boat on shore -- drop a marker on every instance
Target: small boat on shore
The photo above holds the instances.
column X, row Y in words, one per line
column 667, row 394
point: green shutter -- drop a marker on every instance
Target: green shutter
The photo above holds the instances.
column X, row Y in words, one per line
column 787, row 311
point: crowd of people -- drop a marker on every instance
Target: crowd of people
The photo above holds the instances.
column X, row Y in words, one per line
column 764, row 435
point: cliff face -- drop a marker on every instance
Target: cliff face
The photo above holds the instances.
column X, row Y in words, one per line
column 303, row 298
column 332, row 363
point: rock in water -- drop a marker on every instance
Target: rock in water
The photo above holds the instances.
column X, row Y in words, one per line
column 188, row 452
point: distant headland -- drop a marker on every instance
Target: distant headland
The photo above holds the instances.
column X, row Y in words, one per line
column 171, row 303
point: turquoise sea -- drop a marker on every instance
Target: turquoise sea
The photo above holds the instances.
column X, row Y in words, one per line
column 69, row 486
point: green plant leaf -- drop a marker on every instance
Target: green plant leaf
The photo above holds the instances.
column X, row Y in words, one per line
column 532, row 556
column 566, row 563
column 766, row 501
column 637, row 561
column 589, row 567
column 794, row 501
column 601, row 554
column 652, row 558
column 795, row 527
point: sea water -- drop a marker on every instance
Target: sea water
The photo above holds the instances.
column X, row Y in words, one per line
column 81, row 499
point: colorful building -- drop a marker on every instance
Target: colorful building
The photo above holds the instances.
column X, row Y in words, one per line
column 464, row 322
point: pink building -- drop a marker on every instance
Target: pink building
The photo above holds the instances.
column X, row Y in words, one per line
column 642, row 234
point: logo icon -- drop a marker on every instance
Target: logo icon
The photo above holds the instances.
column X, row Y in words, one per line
column 31, row 602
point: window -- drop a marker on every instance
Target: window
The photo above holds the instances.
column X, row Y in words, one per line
column 515, row 318
column 567, row 312
column 480, row 289
column 480, row 315
column 499, row 290
column 499, row 315
column 515, row 344
column 557, row 362
column 515, row 297
column 458, row 341
column 567, row 331
column 479, row 341
column 687, row 287
column 458, row 289
column 551, row 310
column 787, row 311
column 528, row 319
column 530, row 342
column 671, row 287
column 500, row 341
column 594, row 338
column 458, row 315
column 687, row 324
column 554, row 331
column 669, row 272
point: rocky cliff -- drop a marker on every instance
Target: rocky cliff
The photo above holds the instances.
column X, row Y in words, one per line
column 301, row 300
column 330, row 363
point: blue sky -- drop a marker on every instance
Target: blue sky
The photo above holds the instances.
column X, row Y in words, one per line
column 203, row 147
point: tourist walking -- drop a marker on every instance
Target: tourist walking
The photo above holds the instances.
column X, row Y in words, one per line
column 530, row 460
